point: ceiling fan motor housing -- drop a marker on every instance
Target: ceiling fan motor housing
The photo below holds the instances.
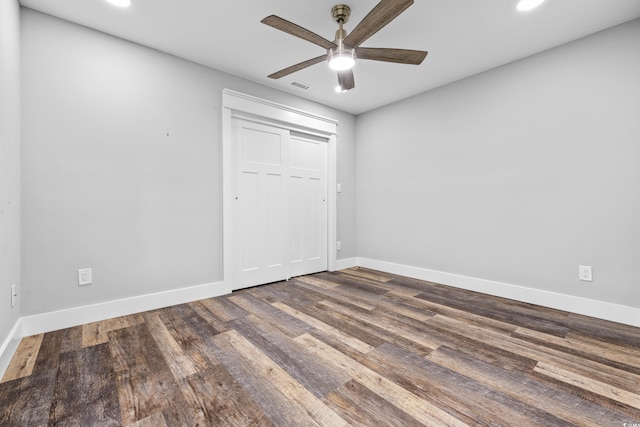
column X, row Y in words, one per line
column 341, row 13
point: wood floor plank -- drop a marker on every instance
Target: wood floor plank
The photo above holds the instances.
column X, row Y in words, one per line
column 224, row 309
column 123, row 321
column 207, row 315
column 517, row 313
column 529, row 389
column 218, row 399
column 627, row 360
column 362, row 321
column 283, row 291
column 288, row 386
column 50, row 350
column 144, row 380
column 85, row 390
column 609, row 332
column 408, row 402
column 432, row 382
column 276, row 405
column 354, row 283
column 179, row 362
column 286, row 323
column 356, row 347
column 345, row 323
column 351, row 296
column 374, row 300
column 431, row 307
column 96, row 332
column 580, row 366
column 372, row 409
column 369, row 274
column 24, row 359
column 72, row 339
column 317, row 282
column 319, row 324
column 304, row 368
column 521, row 314
column 155, row 420
column 392, row 327
column 587, row 383
column 190, row 331
column 26, row 401
column 623, row 354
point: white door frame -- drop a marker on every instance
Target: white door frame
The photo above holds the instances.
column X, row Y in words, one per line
column 237, row 104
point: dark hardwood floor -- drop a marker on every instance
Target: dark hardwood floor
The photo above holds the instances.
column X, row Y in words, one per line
column 356, row 347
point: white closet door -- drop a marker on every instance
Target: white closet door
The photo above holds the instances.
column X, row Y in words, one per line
column 261, row 233
column 307, row 204
column 280, row 212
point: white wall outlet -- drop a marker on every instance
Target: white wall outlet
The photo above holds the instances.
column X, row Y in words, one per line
column 85, row 276
column 339, row 188
column 585, row 274
column 339, row 245
column 14, row 295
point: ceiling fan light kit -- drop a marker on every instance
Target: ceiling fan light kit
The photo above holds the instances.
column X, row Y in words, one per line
column 345, row 49
column 527, row 5
column 120, row 3
column 341, row 59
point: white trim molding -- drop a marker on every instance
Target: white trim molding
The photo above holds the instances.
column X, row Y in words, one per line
column 52, row 321
column 343, row 264
column 573, row 304
column 10, row 345
column 241, row 105
column 67, row 318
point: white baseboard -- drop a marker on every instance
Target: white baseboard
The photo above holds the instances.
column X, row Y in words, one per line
column 10, row 345
column 599, row 309
column 342, row 264
column 52, row 321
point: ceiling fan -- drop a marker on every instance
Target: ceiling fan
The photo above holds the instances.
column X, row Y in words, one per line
column 345, row 49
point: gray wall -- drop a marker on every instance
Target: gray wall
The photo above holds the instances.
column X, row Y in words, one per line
column 516, row 175
column 122, row 166
column 9, row 163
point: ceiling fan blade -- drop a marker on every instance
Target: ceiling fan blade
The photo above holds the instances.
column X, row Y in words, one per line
column 297, row 67
column 346, row 80
column 383, row 13
column 297, row 30
column 401, row 56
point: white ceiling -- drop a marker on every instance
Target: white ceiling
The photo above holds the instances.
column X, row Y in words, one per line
column 463, row 37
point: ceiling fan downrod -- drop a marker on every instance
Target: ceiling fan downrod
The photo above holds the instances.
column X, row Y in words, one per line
column 340, row 14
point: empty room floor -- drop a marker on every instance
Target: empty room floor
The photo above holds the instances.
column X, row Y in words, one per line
column 355, row 347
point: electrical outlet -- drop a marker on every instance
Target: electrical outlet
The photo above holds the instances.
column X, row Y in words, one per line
column 14, row 295
column 85, row 277
column 339, row 245
column 584, row 272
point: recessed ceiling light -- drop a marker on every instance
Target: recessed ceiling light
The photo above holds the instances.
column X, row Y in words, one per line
column 120, row 3
column 525, row 5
